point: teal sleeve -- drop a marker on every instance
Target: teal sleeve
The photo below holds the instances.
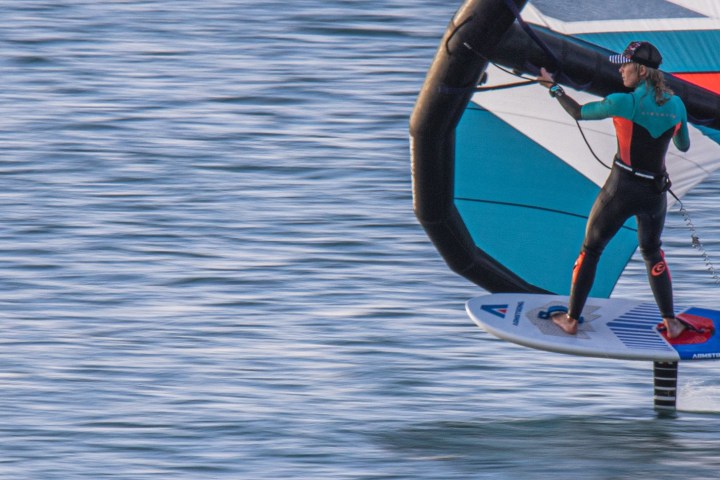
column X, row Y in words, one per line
column 615, row 105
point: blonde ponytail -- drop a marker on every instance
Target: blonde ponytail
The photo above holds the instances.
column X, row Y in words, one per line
column 656, row 81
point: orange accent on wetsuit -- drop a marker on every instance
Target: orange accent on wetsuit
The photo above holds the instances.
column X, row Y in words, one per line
column 578, row 264
column 624, row 131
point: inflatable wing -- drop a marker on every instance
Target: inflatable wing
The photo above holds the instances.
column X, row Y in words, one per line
column 503, row 179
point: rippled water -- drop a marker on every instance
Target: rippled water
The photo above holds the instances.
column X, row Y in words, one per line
column 211, row 267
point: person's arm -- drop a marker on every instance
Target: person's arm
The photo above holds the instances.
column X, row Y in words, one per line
column 556, row 91
column 569, row 104
column 614, row 105
column 681, row 139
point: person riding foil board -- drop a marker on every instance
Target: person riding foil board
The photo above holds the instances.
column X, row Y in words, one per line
column 645, row 120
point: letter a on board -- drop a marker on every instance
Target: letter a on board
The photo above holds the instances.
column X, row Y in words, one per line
column 497, row 310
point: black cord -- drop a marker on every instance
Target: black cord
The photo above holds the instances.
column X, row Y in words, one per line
column 582, row 133
column 696, row 243
column 504, row 86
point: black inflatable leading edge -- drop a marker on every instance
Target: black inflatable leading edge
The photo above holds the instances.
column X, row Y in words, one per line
column 449, row 85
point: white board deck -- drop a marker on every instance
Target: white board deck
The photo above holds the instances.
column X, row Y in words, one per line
column 611, row 328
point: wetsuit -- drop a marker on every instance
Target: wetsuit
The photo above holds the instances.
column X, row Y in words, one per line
column 636, row 186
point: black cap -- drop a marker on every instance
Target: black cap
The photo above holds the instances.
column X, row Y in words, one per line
column 643, row 53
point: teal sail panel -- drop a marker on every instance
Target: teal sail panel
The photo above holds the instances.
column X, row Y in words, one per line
column 526, row 207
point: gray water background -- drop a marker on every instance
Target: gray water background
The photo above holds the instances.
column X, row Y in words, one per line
column 210, row 267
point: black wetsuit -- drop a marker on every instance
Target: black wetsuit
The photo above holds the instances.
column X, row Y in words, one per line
column 636, row 186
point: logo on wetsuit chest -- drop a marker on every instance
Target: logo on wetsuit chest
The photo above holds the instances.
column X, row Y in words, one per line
column 658, row 269
column 659, row 114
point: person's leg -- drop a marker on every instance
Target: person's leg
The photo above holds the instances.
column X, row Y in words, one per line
column 650, row 227
column 607, row 215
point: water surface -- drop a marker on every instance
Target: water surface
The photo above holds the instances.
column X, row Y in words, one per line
column 211, row 268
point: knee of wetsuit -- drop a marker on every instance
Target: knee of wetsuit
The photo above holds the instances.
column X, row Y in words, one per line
column 590, row 252
column 652, row 254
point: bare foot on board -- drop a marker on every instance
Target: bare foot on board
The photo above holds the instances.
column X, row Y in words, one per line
column 673, row 327
column 563, row 320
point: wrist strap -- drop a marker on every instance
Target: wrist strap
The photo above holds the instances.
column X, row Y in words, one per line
column 556, row 91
